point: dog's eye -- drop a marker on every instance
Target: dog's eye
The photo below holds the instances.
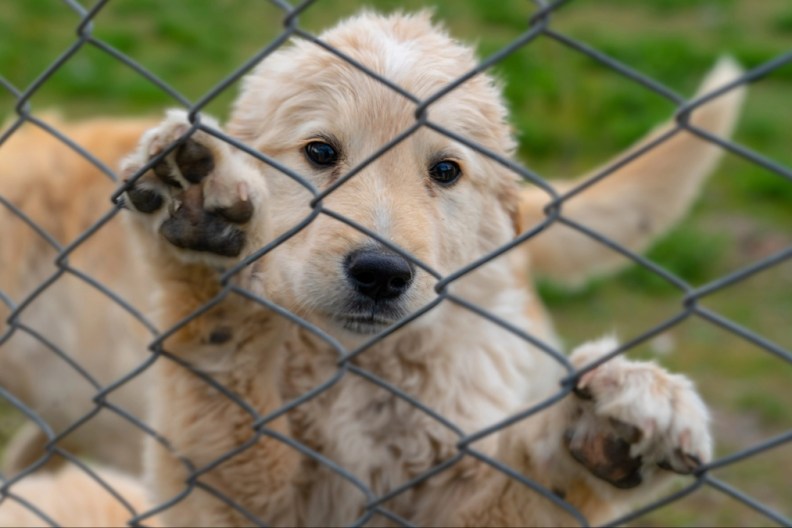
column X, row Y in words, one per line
column 321, row 153
column 445, row 172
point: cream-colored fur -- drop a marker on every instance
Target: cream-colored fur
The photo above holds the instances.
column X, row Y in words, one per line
column 64, row 194
column 72, row 497
column 464, row 367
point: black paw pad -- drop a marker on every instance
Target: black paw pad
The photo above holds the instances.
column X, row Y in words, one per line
column 144, row 200
column 204, row 231
column 194, row 160
column 607, row 457
column 163, row 172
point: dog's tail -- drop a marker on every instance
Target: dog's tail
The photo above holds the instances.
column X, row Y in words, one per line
column 640, row 200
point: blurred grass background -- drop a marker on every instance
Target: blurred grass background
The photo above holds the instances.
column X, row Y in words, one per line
column 572, row 114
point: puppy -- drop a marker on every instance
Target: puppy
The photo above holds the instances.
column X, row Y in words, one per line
column 372, row 251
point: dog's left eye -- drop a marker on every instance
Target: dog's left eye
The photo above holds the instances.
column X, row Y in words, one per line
column 321, row 153
column 445, row 172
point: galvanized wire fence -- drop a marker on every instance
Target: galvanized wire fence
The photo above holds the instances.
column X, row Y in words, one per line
column 539, row 26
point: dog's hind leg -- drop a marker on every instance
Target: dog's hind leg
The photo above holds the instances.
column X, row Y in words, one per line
column 197, row 212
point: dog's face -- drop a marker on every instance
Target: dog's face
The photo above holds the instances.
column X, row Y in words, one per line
column 429, row 195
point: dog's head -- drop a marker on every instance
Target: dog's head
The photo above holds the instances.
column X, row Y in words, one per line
column 431, row 196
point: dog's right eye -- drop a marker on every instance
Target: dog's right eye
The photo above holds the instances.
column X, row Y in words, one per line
column 321, row 153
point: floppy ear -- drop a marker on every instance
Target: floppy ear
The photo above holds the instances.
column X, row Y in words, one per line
column 510, row 200
column 507, row 190
column 639, row 201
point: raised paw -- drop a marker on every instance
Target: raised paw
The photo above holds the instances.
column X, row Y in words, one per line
column 631, row 420
column 201, row 196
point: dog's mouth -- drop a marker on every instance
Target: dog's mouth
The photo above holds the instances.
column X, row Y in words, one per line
column 366, row 318
column 364, row 324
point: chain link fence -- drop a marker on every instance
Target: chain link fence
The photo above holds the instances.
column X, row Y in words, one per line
column 539, row 26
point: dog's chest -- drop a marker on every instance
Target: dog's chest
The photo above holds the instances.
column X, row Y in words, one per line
column 377, row 417
column 382, row 439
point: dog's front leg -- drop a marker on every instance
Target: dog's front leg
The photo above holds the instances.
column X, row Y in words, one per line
column 197, row 212
column 616, row 440
column 619, row 437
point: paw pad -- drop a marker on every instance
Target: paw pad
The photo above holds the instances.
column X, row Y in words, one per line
column 629, row 419
column 191, row 181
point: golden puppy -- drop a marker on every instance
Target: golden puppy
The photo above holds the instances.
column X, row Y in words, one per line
column 205, row 206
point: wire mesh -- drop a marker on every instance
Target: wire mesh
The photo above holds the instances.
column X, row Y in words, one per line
column 538, row 26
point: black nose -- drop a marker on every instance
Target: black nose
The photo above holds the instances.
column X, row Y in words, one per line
column 378, row 274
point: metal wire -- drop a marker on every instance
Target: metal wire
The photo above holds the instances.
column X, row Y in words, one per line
column 538, row 26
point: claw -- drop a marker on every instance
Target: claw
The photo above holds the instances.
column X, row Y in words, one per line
column 684, row 463
column 681, row 462
column 583, row 393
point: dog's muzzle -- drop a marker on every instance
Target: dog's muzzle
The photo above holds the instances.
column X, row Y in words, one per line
column 380, row 280
column 378, row 275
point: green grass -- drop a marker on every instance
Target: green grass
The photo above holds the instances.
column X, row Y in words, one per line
column 571, row 114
